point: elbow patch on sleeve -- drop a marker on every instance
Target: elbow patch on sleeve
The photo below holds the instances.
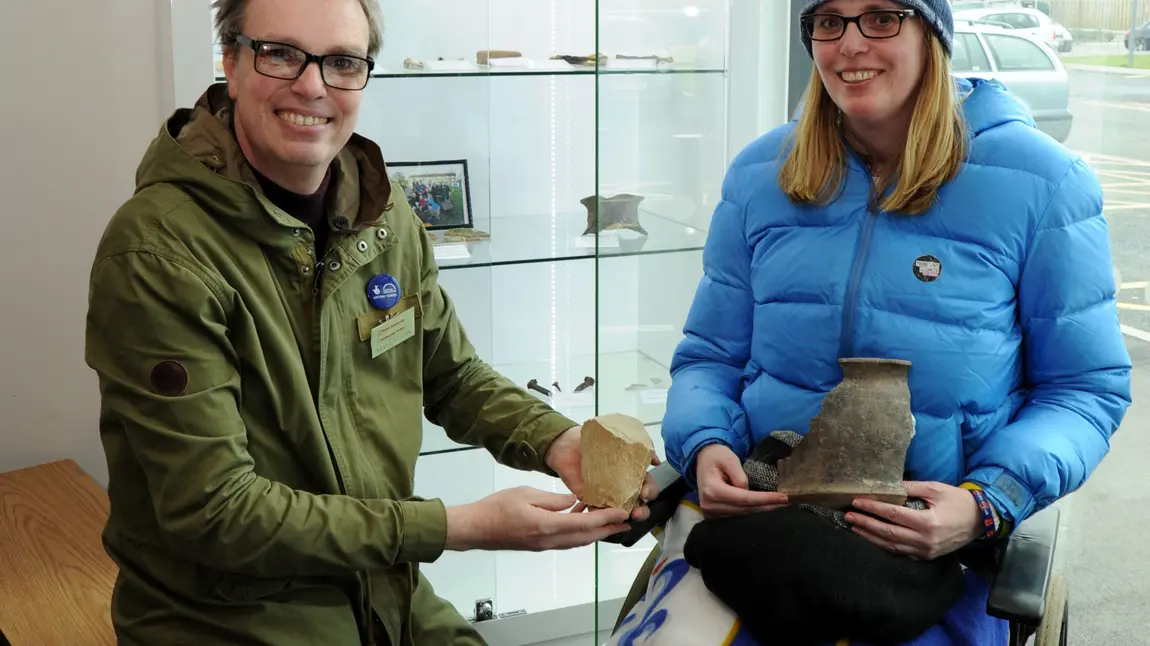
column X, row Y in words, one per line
column 168, row 378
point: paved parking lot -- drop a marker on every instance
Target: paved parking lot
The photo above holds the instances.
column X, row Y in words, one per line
column 1101, row 543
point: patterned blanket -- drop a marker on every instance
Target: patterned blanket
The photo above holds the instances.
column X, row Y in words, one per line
column 679, row 610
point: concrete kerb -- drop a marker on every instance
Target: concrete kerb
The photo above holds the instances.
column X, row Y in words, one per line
column 1106, row 69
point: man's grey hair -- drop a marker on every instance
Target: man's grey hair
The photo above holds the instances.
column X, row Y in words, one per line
column 230, row 22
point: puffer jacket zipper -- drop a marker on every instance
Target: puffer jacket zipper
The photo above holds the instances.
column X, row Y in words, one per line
column 858, row 265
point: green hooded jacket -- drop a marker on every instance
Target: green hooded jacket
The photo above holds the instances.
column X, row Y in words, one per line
column 261, row 454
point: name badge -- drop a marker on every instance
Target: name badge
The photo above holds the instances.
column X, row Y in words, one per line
column 392, row 332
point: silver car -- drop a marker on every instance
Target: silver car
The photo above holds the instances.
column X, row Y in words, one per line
column 1024, row 64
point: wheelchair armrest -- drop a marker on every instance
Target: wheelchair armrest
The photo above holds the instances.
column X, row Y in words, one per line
column 672, row 488
column 1025, row 569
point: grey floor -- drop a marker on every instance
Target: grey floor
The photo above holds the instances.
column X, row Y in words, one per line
column 1105, row 526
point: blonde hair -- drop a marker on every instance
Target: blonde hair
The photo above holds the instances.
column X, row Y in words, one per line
column 935, row 145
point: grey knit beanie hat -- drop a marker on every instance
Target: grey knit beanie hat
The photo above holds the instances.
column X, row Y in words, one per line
column 935, row 13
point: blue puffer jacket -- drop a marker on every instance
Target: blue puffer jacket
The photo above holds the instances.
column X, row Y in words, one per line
column 1020, row 374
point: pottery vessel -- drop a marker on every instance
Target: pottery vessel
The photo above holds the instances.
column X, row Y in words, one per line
column 616, row 212
column 857, row 443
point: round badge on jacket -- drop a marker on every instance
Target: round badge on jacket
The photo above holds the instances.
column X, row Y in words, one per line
column 383, row 292
column 927, row 268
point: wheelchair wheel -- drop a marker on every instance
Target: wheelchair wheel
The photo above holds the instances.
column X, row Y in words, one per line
column 1052, row 631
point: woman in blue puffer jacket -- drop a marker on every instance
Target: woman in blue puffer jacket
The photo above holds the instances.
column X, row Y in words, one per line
column 899, row 218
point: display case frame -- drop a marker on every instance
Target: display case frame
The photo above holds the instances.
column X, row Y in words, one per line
column 540, row 297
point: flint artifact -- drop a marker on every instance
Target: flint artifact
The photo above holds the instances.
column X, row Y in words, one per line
column 617, row 451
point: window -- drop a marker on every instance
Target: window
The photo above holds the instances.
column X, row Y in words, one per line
column 998, row 20
column 1025, row 21
column 1013, row 54
column 969, row 56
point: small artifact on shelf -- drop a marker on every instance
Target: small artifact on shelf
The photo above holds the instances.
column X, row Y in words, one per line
column 587, row 383
column 555, row 385
column 618, row 212
column 616, row 452
column 485, row 55
column 634, row 387
column 590, row 60
column 439, row 63
column 534, row 385
column 465, row 235
column 857, row 443
column 645, row 57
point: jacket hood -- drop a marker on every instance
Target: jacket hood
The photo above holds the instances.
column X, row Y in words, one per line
column 988, row 104
column 196, row 150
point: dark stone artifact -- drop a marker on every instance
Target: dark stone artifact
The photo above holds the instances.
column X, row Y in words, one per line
column 534, row 385
column 618, row 212
column 591, row 60
column 587, row 383
column 857, row 443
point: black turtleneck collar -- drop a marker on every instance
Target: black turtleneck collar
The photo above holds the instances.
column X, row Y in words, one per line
column 309, row 209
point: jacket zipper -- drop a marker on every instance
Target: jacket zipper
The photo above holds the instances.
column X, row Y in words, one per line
column 317, row 339
column 318, row 277
column 858, row 264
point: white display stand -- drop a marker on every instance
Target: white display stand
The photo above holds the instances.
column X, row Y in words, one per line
column 539, row 299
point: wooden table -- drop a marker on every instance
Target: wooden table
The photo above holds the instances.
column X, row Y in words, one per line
column 55, row 578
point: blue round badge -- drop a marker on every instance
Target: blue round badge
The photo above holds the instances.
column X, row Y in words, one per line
column 383, row 292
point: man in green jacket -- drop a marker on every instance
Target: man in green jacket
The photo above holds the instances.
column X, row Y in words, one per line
column 267, row 328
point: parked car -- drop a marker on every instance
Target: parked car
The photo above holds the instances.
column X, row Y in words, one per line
column 1024, row 64
column 1141, row 38
column 958, row 5
column 1030, row 21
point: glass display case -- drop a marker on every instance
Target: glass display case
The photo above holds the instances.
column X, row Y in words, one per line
column 567, row 158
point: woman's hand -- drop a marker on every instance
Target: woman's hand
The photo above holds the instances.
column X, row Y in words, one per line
column 723, row 486
column 950, row 521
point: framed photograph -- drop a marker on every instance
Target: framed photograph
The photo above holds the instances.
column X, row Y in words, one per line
column 438, row 191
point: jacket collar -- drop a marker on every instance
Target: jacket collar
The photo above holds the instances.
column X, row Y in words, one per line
column 197, row 150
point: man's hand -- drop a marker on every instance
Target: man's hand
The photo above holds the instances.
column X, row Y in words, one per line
column 723, row 486
column 565, row 457
column 950, row 521
column 528, row 519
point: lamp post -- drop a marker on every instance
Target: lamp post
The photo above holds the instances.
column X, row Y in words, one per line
column 1132, row 39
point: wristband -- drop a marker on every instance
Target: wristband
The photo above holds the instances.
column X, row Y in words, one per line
column 989, row 521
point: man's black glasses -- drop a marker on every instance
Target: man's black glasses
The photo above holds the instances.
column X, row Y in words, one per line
column 287, row 62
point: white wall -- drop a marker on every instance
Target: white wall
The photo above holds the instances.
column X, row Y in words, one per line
column 80, row 101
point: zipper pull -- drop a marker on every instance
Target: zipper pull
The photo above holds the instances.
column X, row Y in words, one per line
column 318, row 275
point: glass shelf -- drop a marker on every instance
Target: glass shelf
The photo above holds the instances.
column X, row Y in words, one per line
column 485, row 71
column 616, row 373
column 541, row 238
